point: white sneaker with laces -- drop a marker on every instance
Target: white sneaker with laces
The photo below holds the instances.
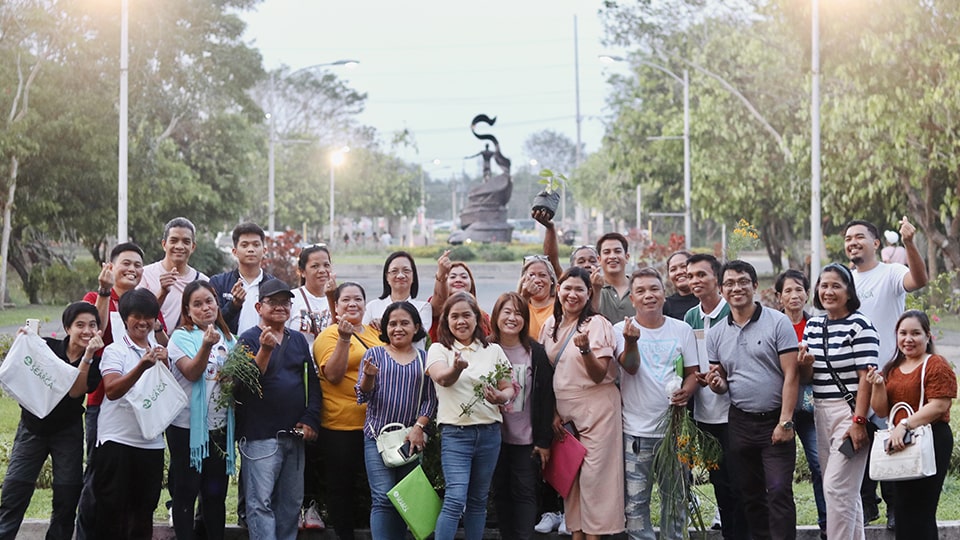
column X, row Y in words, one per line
column 562, row 530
column 549, row 522
column 311, row 517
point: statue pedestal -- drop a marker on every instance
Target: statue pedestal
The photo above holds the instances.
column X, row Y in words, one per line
column 483, row 231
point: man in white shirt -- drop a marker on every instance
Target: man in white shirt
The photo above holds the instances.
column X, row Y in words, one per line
column 239, row 289
column 167, row 277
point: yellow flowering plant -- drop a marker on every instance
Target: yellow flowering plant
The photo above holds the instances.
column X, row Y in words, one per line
column 745, row 236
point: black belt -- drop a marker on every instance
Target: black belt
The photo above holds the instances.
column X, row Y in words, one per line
column 759, row 416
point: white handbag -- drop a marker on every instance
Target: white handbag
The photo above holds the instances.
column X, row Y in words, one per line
column 36, row 377
column 916, row 460
column 156, row 399
column 391, row 438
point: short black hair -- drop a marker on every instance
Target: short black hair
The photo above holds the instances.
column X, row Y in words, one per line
column 76, row 308
column 706, row 257
column 853, row 301
column 871, row 228
column 123, row 248
column 647, row 271
column 797, row 275
column 613, row 236
column 414, row 282
column 411, row 310
column 179, row 222
column 344, row 285
column 683, row 252
column 139, row 301
column 247, row 227
column 740, row 266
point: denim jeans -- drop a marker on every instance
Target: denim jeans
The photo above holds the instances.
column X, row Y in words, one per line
column 273, row 484
column 638, row 472
column 29, row 452
column 385, row 521
column 468, row 455
column 515, row 491
column 807, row 433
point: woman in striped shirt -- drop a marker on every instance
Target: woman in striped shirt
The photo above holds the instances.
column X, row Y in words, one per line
column 395, row 388
column 836, row 351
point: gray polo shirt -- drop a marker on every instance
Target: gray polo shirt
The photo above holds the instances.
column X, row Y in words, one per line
column 751, row 357
column 614, row 307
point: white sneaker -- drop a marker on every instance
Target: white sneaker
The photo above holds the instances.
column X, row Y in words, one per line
column 549, row 522
column 311, row 517
column 562, row 530
column 715, row 525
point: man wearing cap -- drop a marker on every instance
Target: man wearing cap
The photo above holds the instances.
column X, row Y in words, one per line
column 271, row 427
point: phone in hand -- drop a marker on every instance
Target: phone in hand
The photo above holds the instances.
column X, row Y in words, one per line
column 846, row 448
column 405, row 450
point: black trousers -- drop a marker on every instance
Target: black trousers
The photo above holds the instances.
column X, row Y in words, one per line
column 342, row 464
column 127, row 489
column 917, row 500
column 187, row 483
column 729, row 501
column 515, row 491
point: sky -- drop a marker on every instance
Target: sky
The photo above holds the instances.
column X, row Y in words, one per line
column 429, row 66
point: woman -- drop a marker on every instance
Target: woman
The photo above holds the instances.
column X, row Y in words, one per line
column 469, row 424
column 310, row 312
column 527, row 429
column 395, row 387
column 852, row 347
column 58, row 435
column 791, row 292
column 916, row 503
column 580, row 346
column 129, row 468
column 338, row 352
column 198, row 435
column 538, row 285
column 453, row 277
column 400, row 284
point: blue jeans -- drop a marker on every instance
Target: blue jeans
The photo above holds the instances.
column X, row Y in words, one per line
column 638, row 472
column 807, row 433
column 273, row 483
column 29, row 452
column 468, row 455
column 385, row 521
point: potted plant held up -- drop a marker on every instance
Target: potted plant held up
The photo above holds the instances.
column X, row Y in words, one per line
column 549, row 198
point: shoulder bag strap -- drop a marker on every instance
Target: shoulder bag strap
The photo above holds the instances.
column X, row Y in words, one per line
column 848, row 396
column 305, row 301
column 556, row 359
column 923, row 375
column 365, row 346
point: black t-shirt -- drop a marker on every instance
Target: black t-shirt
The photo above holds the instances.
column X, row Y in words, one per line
column 69, row 409
column 677, row 306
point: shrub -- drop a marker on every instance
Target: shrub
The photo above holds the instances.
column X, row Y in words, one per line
column 462, row 253
column 62, row 284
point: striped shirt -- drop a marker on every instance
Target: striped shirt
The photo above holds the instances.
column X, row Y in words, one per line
column 853, row 345
column 395, row 391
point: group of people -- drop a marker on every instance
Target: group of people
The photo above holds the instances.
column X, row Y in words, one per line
column 593, row 351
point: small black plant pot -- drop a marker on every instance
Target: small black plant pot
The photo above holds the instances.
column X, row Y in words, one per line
column 548, row 201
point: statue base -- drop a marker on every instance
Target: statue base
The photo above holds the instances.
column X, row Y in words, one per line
column 483, row 231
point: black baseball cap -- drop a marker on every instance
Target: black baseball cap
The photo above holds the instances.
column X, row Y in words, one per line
column 274, row 287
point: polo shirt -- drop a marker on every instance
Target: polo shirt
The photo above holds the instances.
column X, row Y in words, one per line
column 751, row 357
column 709, row 407
column 614, row 307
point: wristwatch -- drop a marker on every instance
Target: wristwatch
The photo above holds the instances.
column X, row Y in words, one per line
column 584, row 352
column 788, row 425
column 862, row 420
column 905, row 424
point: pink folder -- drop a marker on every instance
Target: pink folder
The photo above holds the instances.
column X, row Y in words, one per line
column 565, row 458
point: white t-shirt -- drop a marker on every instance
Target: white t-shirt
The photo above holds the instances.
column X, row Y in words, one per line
column 186, row 343
column 662, row 350
column 377, row 306
column 248, row 312
column 309, row 315
column 171, row 304
column 117, row 421
column 882, row 299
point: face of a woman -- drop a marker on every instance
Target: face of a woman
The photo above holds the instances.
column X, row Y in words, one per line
column 463, row 322
column 538, row 275
column 400, row 277
column 833, row 294
column 458, row 280
column 911, row 338
column 82, row 329
column 317, row 271
column 510, row 321
column 350, row 305
column 401, row 328
column 203, row 308
column 139, row 326
column 574, row 295
column 794, row 296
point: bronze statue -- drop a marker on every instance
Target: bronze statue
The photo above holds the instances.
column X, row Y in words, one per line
column 484, row 218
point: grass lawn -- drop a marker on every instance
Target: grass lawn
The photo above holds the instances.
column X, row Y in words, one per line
column 17, row 315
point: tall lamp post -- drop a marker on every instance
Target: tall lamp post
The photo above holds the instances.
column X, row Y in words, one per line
column 336, row 158
column 815, row 233
column 687, row 183
column 124, row 125
column 271, row 174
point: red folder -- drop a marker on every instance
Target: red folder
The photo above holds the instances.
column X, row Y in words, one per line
column 566, row 455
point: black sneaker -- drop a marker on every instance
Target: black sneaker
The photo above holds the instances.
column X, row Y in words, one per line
column 891, row 522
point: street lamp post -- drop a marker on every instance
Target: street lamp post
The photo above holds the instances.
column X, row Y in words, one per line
column 815, row 232
column 336, row 158
column 122, row 142
column 271, row 172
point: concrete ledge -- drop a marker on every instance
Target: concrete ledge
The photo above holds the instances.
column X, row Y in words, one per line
column 36, row 529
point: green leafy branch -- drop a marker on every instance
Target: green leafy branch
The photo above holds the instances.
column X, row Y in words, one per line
column 500, row 372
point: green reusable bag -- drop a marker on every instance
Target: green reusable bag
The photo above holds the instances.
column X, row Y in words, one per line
column 417, row 502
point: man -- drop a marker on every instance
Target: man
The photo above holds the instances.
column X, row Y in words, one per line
column 611, row 288
column 654, row 352
column 238, row 290
column 753, row 359
column 882, row 289
column 167, row 277
column 710, row 409
column 271, row 427
column 682, row 300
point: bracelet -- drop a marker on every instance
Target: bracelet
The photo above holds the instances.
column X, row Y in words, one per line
column 905, row 424
column 422, row 427
column 103, row 292
column 88, row 361
column 857, row 419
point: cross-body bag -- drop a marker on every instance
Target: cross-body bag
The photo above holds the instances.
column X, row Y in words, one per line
column 391, row 441
column 848, row 396
column 917, row 459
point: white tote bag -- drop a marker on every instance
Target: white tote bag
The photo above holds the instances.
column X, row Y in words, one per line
column 156, row 399
column 916, row 460
column 36, row 377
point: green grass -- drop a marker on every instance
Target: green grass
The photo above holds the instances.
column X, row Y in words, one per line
column 17, row 315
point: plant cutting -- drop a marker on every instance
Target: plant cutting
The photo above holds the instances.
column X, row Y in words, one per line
column 548, row 199
column 500, row 372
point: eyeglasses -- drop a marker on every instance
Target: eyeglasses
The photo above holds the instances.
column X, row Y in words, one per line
column 531, row 258
column 743, row 283
column 276, row 303
column 400, row 271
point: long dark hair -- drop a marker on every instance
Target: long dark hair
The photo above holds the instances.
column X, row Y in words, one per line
column 415, row 280
column 521, row 306
column 573, row 272
column 924, row 321
column 414, row 316
column 444, row 335
column 186, row 321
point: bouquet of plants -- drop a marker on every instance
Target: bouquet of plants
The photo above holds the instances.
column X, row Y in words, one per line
column 238, row 371
column 500, row 372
